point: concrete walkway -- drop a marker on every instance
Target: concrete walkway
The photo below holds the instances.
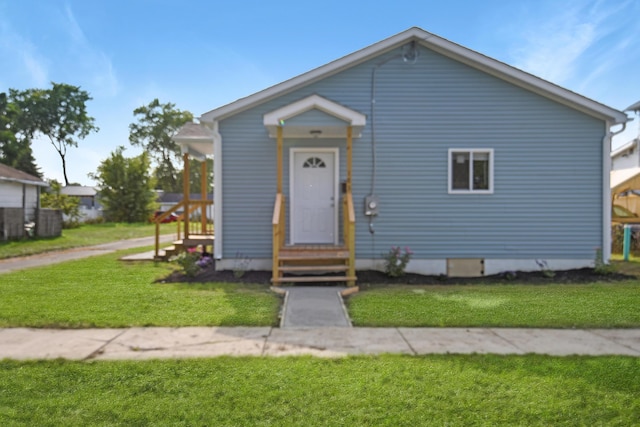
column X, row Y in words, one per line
column 313, row 306
column 155, row 343
column 48, row 258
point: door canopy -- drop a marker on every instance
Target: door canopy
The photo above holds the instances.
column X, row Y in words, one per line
column 314, row 117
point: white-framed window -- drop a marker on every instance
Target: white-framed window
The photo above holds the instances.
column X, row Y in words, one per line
column 470, row 171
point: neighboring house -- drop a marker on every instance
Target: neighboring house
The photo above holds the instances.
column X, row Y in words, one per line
column 626, row 156
column 20, row 205
column 88, row 203
column 20, row 190
column 414, row 141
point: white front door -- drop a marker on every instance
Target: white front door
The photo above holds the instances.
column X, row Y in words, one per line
column 314, row 195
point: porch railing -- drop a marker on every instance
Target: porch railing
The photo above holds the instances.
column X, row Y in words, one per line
column 349, row 228
column 202, row 224
column 279, row 231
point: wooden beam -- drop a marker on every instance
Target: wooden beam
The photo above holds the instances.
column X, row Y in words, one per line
column 186, row 190
column 349, row 157
column 203, row 196
column 279, row 161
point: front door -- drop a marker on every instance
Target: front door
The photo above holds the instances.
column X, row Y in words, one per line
column 314, row 191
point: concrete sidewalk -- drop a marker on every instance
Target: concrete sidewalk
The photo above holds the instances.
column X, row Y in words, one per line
column 156, row 343
column 48, row 258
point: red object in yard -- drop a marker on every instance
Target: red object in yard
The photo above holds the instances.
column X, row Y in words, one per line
column 172, row 217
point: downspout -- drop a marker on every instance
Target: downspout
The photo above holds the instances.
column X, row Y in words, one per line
column 606, row 188
column 217, row 189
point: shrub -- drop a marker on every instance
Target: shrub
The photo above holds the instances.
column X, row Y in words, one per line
column 395, row 261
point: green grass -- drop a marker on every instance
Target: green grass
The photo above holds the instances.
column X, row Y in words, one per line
column 85, row 235
column 103, row 292
column 597, row 305
column 360, row 391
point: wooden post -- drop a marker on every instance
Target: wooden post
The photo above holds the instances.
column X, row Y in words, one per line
column 203, row 197
column 185, row 193
column 279, row 161
column 349, row 157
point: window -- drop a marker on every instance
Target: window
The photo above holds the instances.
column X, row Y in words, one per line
column 471, row 171
column 314, row 162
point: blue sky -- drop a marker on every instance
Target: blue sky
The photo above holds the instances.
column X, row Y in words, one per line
column 203, row 54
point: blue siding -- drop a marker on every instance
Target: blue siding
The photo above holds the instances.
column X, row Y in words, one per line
column 548, row 182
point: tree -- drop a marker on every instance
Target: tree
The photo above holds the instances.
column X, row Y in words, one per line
column 195, row 173
column 155, row 127
column 15, row 150
column 70, row 206
column 126, row 187
column 58, row 113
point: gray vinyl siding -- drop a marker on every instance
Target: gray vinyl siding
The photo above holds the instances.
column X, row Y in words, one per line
column 547, row 199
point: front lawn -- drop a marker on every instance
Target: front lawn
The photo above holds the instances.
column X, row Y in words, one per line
column 358, row 391
column 85, row 235
column 104, row 292
column 596, row 305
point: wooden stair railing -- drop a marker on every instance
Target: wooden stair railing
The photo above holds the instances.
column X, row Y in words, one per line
column 202, row 228
column 310, row 263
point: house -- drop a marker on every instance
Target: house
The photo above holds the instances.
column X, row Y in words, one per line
column 19, row 201
column 414, row 141
column 166, row 201
column 88, row 204
column 626, row 156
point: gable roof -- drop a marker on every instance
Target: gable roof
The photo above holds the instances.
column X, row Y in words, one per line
column 437, row 44
column 624, row 148
column 7, row 173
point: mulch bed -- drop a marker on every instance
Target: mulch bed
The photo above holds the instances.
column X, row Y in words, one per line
column 371, row 279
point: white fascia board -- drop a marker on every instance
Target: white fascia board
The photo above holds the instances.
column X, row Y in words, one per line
column 442, row 46
column 315, row 102
column 525, row 80
column 24, row 181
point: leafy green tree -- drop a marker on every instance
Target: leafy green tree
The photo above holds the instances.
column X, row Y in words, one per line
column 59, row 113
column 15, row 149
column 195, row 172
column 70, row 206
column 156, row 125
column 126, row 187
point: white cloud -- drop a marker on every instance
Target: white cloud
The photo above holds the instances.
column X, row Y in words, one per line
column 553, row 47
column 24, row 56
column 96, row 64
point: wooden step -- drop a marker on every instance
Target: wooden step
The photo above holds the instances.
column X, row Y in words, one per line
column 321, row 255
column 313, row 279
column 308, row 268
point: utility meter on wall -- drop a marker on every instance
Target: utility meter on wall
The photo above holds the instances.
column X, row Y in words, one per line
column 371, row 205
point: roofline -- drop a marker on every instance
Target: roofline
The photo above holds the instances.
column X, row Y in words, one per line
column 624, row 147
column 438, row 44
column 24, row 181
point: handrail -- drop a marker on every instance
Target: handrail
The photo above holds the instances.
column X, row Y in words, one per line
column 187, row 209
column 276, row 209
column 277, row 234
column 350, row 235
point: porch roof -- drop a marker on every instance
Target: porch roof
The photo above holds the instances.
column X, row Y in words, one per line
column 347, row 116
column 195, row 139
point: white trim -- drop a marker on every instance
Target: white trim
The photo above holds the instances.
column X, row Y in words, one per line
column 336, row 179
column 606, row 194
column 277, row 118
column 440, row 45
column 471, row 151
column 218, row 190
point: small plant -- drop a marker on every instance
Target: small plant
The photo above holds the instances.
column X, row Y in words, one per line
column 240, row 265
column 510, row 275
column 189, row 262
column 601, row 267
column 545, row 270
column 395, row 261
